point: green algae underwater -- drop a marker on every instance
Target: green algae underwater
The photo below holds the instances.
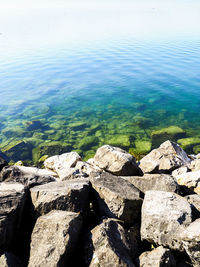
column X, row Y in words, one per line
column 128, row 94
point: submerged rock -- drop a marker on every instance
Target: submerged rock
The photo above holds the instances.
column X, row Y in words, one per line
column 189, row 143
column 16, row 150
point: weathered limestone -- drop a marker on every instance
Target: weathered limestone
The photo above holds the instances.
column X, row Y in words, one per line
column 158, row 182
column 163, row 216
column 62, row 163
column 194, row 200
column 12, row 199
column 166, row 158
column 28, row 176
column 116, row 161
column 159, row 256
column 181, row 170
column 10, row 260
column 111, row 247
column 191, row 180
column 54, row 239
column 116, row 197
column 71, row 195
column 191, row 242
column 195, row 165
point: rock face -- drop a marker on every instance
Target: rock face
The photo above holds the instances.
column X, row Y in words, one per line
column 2, row 163
column 116, row 161
column 62, row 163
column 191, row 242
column 158, row 182
column 164, row 159
column 111, row 247
column 54, row 237
column 71, row 195
column 116, row 197
column 28, row 176
column 191, row 180
column 157, row 257
column 163, row 215
column 12, row 199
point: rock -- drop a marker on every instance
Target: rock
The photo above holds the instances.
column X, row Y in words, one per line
column 62, row 163
column 159, row 256
column 170, row 133
column 168, row 157
column 163, row 216
column 120, row 140
column 77, row 126
column 34, row 125
column 189, row 143
column 87, row 142
column 54, row 239
column 194, row 200
column 71, row 195
column 3, row 163
column 73, row 173
column 158, row 182
column 110, row 245
column 191, row 242
column 191, row 180
column 116, row 197
column 116, row 161
column 10, row 260
column 181, row 170
column 87, row 167
column 12, row 199
column 28, row 176
column 142, row 147
column 194, row 165
column 16, row 150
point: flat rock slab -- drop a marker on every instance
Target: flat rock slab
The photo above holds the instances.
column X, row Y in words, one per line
column 28, row 176
column 163, row 216
column 159, row 256
column 110, row 245
column 158, row 182
column 168, row 157
column 12, row 199
column 191, row 180
column 116, row 161
column 54, row 239
column 71, row 195
column 116, row 197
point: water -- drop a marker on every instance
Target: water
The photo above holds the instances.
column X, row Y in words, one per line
column 120, row 91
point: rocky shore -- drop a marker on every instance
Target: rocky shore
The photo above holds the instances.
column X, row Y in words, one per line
column 108, row 211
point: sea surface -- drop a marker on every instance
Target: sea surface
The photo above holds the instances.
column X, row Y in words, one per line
column 124, row 91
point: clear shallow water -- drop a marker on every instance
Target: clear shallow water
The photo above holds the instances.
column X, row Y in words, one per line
column 117, row 93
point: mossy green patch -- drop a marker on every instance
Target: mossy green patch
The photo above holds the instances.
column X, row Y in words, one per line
column 188, row 143
column 18, row 149
column 120, row 140
column 87, row 142
column 79, row 125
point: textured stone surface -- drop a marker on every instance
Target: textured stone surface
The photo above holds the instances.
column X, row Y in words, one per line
column 116, row 161
column 191, row 180
column 54, row 239
column 194, row 200
column 163, row 215
column 71, row 195
column 195, row 165
column 12, row 199
column 28, row 176
column 166, row 158
column 62, row 163
column 116, row 197
column 158, row 257
column 158, row 182
column 10, row 260
column 110, row 245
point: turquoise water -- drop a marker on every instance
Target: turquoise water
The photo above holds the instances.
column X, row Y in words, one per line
column 121, row 91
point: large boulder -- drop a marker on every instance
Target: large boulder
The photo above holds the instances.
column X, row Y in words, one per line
column 158, row 257
column 168, row 157
column 110, row 245
column 54, row 239
column 163, row 216
column 116, row 161
column 191, row 242
column 191, row 180
column 10, row 260
column 116, row 197
column 61, row 164
column 71, row 195
column 28, row 176
column 158, row 182
column 12, row 199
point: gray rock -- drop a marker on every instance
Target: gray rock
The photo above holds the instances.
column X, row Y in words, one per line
column 28, row 176
column 194, row 200
column 163, row 216
column 158, row 182
column 191, row 180
column 62, row 163
column 10, row 260
column 110, row 244
column 116, row 161
column 73, row 173
column 54, row 239
column 71, row 195
column 116, row 197
column 195, row 165
column 168, row 157
column 158, row 257
column 12, row 199
column 191, row 242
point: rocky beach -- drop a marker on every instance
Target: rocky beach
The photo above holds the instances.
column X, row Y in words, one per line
column 110, row 210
